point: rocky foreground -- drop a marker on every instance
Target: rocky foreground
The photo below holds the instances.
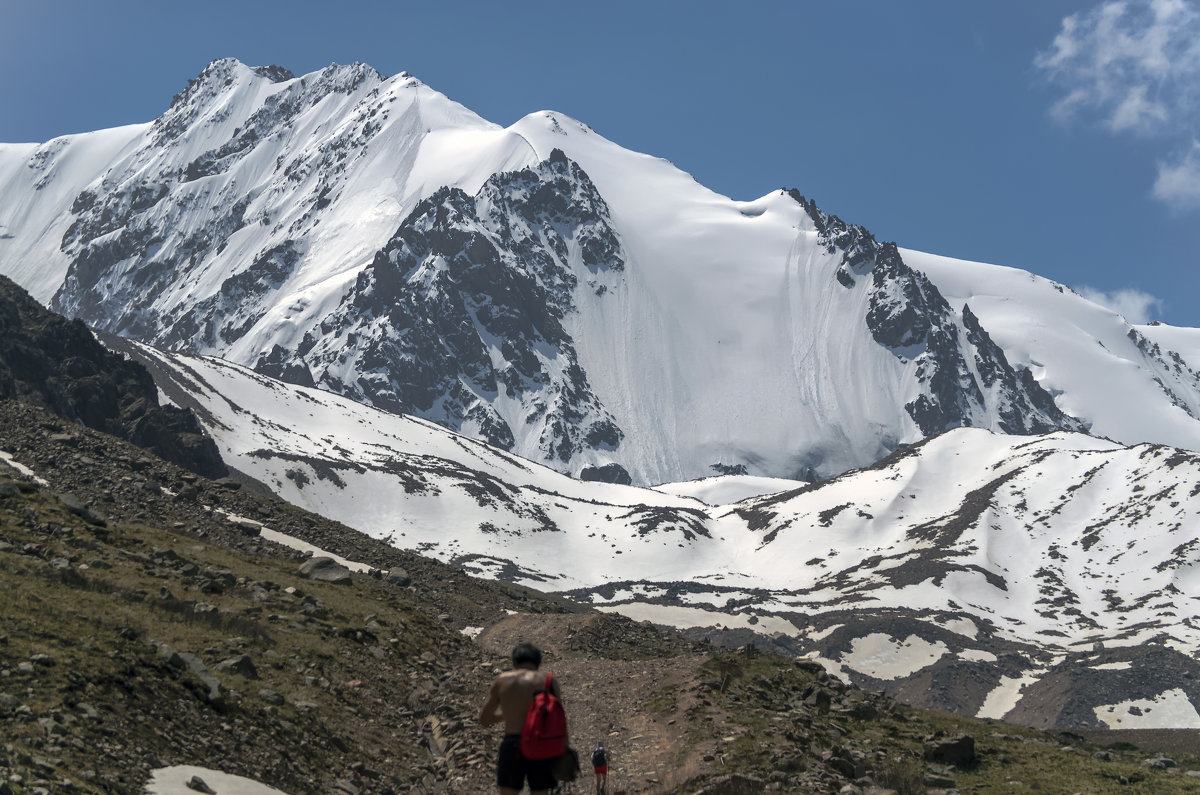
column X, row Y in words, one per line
column 149, row 621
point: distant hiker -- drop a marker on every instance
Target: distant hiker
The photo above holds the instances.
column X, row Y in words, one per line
column 600, row 768
column 508, row 702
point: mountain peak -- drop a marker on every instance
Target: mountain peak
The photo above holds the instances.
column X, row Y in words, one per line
column 276, row 74
column 227, row 67
column 555, row 122
column 350, row 75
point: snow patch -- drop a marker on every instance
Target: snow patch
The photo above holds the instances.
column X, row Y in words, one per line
column 24, row 470
column 291, row 542
column 962, row 626
column 1005, row 696
column 173, row 781
column 884, row 657
column 1171, row 709
column 824, row 633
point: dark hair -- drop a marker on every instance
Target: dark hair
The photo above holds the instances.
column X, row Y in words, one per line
column 526, row 653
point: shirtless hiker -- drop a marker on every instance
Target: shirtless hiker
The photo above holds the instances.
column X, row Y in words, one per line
column 507, row 703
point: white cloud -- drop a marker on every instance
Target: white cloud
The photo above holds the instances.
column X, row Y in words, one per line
column 1132, row 66
column 1134, row 305
column 1178, row 183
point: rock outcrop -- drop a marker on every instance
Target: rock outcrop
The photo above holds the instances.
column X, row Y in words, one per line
column 59, row 365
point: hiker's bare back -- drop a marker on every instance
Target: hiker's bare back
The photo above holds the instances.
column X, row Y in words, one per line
column 508, row 703
column 510, row 696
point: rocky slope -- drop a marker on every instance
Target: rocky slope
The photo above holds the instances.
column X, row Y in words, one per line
column 570, row 301
column 152, row 622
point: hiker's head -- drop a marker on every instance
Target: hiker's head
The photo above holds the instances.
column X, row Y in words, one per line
column 526, row 655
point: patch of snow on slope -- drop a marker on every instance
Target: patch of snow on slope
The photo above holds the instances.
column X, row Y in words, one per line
column 174, row 781
column 1170, row 709
column 1001, row 700
column 962, row 626
column 887, row 658
column 24, row 470
column 291, row 542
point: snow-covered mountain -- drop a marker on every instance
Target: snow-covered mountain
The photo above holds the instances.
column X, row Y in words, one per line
column 541, row 288
column 1054, row 579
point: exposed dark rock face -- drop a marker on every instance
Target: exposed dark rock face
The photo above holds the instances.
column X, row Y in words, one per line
column 608, row 473
column 967, row 378
column 57, row 364
column 285, row 366
column 466, row 304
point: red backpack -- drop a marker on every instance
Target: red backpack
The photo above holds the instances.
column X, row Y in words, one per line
column 545, row 733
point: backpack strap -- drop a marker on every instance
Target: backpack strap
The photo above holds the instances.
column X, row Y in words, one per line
column 549, row 683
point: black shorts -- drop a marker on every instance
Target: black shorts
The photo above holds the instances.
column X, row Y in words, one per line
column 512, row 769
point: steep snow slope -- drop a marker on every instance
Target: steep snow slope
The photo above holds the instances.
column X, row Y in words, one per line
column 543, row 289
column 40, row 184
column 972, row 558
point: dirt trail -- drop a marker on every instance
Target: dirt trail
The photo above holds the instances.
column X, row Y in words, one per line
column 640, row 709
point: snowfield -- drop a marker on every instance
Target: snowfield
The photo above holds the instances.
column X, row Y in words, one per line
column 1047, row 546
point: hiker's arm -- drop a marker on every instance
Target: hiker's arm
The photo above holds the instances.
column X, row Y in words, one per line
column 490, row 713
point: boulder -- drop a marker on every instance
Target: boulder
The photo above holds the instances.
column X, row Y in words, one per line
column 214, row 697
column 958, row 751
column 325, row 569
column 271, row 697
column 241, row 664
column 76, row 506
column 397, row 576
column 198, row 784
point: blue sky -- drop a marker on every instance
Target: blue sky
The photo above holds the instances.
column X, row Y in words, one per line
column 1057, row 136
